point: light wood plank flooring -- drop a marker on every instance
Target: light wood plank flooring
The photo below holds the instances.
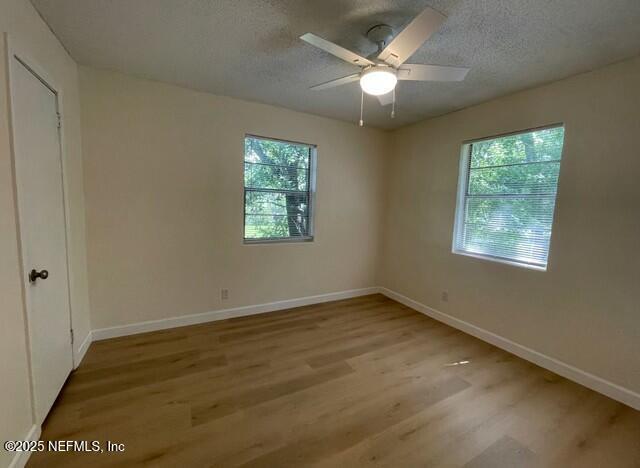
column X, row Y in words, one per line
column 359, row 382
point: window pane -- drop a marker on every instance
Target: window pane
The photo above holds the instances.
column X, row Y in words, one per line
column 539, row 145
column 279, row 203
column 259, row 175
column 540, row 178
column 274, row 226
column 509, row 197
column 277, row 189
column 276, row 152
column 514, row 228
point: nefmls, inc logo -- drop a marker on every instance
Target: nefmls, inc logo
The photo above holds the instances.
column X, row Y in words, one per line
column 74, row 446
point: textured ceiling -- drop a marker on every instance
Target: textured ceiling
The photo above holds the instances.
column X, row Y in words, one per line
column 250, row 48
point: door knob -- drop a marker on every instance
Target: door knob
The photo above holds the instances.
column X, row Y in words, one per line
column 34, row 275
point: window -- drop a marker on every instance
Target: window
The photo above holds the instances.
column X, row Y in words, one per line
column 506, row 197
column 278, row 190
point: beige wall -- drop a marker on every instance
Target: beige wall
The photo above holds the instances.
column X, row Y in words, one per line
column 30, row 36
column 163, row 177
column 163, row 172
column 585, row 310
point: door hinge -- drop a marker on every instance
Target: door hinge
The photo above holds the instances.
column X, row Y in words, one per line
column 59, row 119
column 71, row 335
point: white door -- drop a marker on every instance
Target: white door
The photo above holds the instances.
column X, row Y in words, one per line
column 38, row 167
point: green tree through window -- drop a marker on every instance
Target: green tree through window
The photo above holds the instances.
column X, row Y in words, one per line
column 277, row 189
column 508, row 196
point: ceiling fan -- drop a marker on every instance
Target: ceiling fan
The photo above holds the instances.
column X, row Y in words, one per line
column 379, row 73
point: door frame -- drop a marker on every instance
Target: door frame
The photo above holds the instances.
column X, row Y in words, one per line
column 14, row 53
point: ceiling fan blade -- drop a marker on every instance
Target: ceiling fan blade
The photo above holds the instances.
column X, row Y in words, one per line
column 335, row 49
column 412, row 37
column 337, row 82
column 416, row 72
column 385, row 99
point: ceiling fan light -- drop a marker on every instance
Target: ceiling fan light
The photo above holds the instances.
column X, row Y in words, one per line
column 378, row 81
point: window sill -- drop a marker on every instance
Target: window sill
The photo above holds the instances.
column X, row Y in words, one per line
column 287, row 240
column 505, row 261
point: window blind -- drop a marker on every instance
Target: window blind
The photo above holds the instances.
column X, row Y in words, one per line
column 277, row 189
column 507, row 196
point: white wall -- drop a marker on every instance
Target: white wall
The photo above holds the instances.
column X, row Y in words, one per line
column 28, row 34
column 164, row 192
column 585, row 310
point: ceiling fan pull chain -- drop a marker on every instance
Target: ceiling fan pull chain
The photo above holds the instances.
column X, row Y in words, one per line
column 361, row 107
column 393, row 104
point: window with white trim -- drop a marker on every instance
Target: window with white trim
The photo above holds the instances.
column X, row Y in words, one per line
column 279, row 182
column 506, row 196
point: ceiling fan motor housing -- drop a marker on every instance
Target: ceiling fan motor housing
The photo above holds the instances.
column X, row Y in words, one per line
column 381, row 34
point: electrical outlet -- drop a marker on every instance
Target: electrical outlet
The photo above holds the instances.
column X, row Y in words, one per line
column 445, row 296
column 224, row 294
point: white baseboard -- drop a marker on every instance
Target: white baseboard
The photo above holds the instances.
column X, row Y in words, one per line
column 172, row 322
column 598, row 384
column 82, row 350
column 20, row 459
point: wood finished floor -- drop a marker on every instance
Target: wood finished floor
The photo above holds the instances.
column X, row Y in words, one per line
column 359, row 382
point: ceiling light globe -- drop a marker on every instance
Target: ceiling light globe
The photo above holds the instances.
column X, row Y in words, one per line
column 378, row 81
